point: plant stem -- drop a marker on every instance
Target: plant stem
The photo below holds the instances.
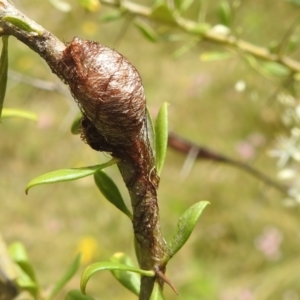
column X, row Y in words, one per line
column 139, row 174
column 39, row 39
column 184, row 146
column 136, row 163
column 209, row 35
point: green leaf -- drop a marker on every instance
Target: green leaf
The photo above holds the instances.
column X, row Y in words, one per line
column 24, row 282
column 110, row 191
column 185, row 226
column 225, row 13
column 267, row 68
column 112, row 16
column 67, row 174
column 21, row 24
column 66, row 277
column 75, row 127
column 275, row 69
column 26, row 278
column 19, row 113
column 129, row 280
column 147, row 31
column 215, row 56
column 108, row 265
column 252, row 62
column 182, row 5
column 162, row 12
column 19, row 255
column 274, row 47
column 157, row 293
column 293, row 44
column 3, row 70
column 161, row 133
column 77, row 295
column 199, row 29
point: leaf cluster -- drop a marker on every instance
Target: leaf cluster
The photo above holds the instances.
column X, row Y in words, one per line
column 120, row 265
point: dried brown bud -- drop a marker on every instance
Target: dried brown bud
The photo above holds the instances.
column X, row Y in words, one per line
column 108, row 90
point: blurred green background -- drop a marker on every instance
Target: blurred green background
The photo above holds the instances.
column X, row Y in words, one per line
column 246, row 244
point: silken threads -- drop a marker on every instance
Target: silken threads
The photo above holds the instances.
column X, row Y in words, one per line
column 109, row 92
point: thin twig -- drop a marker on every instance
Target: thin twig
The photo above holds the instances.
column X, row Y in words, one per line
column 184, row 146
column 38, row 83
column 285, row 40
column 209, row 35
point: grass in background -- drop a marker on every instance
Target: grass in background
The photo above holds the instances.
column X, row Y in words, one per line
column 246, row 244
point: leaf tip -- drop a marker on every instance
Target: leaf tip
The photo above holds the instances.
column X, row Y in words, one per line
column 82, row 287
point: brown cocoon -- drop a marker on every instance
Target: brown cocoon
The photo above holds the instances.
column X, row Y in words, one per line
column 108, row 90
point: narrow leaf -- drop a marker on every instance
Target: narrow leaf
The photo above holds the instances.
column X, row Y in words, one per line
column 112, row 16
column 183, row 5
column 19, row 255
column 66, row 277
column 75, row 127
column 225, row 13
column 110, row 191
column 67, row 174
column 185, row 226
column 199, row 29
column 77, row 295
column 25, row 282
column 147, row 31
column 161, row 133
column 3, row 70
column 18, row 113
column 162, row 12
column 253, row 63
column 21, row 24
column 275, row 69
column 108, row 265
column 129, row 280
column 26, row 278
column 267, row 68
column 157, row 293
column 292, row 44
